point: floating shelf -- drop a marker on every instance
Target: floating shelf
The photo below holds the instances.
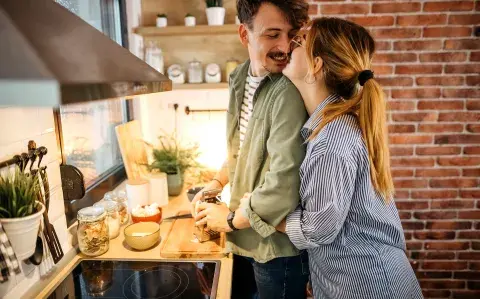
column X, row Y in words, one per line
column 184, row 30
column 222, row 85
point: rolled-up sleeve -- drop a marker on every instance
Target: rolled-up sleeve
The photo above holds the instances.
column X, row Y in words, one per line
column 330, row 182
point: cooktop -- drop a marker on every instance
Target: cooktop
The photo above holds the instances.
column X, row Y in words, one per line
column 140, row 279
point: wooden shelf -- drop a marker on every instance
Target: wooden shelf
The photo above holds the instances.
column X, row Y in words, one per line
column 222, row 85
column 184, row 30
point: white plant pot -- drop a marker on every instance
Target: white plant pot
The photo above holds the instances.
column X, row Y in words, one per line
column 190, row 21
column 162, row 22
column 216, row 16
column 22, row 233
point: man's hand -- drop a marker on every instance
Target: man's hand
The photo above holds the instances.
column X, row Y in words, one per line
column 214, row 216
column 245, row 201
column 282, row 226
column 199, row 196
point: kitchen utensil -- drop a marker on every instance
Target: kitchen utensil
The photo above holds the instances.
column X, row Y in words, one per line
column 133, row 149
column 184, row 216
column 142, row 235
column 73, row 183
column 37, row 256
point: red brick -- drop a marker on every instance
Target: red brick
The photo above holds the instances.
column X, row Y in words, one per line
column 395, row 57
column 473, row 128
column 401, row 151
column 422, row 20
column 447, row 31
column 447, row 246
column 436, row 172
column 459, row 116
column 474, row 285
column 475, row 266
column 432, row 255
column 407, row 225
column 435, row 215
column 441, row 81
column 337, row 9
column 436, row 293
column 440, row 128
column 443, row 57
column 469, row 275
column 401, row 128
column 472, row 80
column 383, row 45
column 418, row 69
column 444, row 265
column 395, row 81
column 421, row 93
column 470, row 235
column 473, row 104
column 411, row 205
column 412, row 162
column 402, row 194
column 471, row 150
column 434, row 235
column 410, row 139
column 313, row 9
column 452, row 204
column 410, row 184
column 400, row 105
column 414, row 116
column 469, row 214
column 464, row 294
column 462, row 44
column 396, row 33
column 396, row 7
column 382, row 69
column 454, row 183
column 434, row 194
column 456, row 225
column 459, row 138
column 464, row 19
column 443, row 284
column 405, row 215
column 471, row 172
column 440, row 105
column 475, row 56
column 463, row 68
column 458, row 161
column 476, row 245
column 448, row 6
column 470, row 194
column 469, row 256
column 397, row 173
column 417, row 45
column 373, row 21
column 414, row 245
column 461, row 93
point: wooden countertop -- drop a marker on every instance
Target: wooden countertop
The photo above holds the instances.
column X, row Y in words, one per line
column 118, row 249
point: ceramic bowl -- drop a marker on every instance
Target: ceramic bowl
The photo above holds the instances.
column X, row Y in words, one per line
column 142, row 235
column 157, row 218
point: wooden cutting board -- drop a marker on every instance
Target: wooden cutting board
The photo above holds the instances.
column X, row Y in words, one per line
column 133, row 149
column 179, row 243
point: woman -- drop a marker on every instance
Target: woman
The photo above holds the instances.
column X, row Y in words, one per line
column 347, row 219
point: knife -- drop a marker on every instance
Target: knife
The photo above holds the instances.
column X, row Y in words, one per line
column 184, row 216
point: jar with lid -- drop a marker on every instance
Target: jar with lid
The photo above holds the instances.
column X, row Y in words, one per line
column 92, row 231
column 113, row 218
column 195, row 72
column 120, row 198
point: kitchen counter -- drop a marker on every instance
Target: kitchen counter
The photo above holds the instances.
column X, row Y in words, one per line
column 119, row 250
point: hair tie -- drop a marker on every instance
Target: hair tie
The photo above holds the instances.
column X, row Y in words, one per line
column 364, row 76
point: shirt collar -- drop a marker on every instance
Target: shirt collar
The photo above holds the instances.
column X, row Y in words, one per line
column 316, row 117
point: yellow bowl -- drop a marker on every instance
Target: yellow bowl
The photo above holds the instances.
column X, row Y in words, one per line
column 142, row 235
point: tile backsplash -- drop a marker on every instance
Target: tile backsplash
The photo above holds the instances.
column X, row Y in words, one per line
column 19, row 125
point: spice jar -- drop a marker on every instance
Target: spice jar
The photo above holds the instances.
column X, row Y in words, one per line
column 113, row 218
column 92, row 231
column 195, row 72
column 120, row 198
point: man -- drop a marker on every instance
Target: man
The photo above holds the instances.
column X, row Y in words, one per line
column 265, row 151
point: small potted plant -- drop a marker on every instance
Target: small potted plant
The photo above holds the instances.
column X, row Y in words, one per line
column 162, row 20
column 173, row 159
column 21, row 211
column 215, row 12
column 190, row 20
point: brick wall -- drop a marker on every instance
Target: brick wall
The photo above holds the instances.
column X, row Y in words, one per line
column 428, row 61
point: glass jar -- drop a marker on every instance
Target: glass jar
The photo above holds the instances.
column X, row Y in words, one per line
column 195, row 72
column 120, row 198
column 92, row 231
column 113, row 218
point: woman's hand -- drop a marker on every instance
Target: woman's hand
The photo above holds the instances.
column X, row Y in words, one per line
column 282, row 226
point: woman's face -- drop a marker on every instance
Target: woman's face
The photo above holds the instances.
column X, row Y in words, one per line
column 297, row 67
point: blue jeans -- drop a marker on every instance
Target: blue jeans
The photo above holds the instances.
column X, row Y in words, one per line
column 280, row 278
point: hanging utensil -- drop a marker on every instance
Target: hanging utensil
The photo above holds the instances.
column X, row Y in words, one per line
column 73, row 183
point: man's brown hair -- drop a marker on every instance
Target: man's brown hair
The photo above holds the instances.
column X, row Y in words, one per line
column 296, row 11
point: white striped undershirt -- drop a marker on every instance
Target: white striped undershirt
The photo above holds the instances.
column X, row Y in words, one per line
column 247, row 106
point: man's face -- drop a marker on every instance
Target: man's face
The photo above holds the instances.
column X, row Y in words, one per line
column 268, row 40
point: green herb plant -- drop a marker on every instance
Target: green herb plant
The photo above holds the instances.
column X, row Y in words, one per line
column 18, row 193
column 214, row 3
column 162, row 16
column 188, row 15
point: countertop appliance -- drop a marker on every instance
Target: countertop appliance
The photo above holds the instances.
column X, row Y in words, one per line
column 165, row 279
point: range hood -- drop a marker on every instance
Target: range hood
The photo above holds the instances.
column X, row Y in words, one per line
column 51, row 57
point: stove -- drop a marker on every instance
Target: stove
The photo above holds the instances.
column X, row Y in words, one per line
column 140, row 279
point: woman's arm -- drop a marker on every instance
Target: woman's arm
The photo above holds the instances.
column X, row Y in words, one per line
column 330, row 183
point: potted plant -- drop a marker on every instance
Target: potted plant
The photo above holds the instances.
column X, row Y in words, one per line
column 190, row 20
column 162, row 20
column 20, row 211
column 215, row 12
column 173, row 159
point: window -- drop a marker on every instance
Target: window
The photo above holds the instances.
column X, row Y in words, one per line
column 87, row 131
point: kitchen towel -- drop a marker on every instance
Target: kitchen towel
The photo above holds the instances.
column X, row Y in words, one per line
column 137, row 193
column 158, row 189
column 8, row 260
